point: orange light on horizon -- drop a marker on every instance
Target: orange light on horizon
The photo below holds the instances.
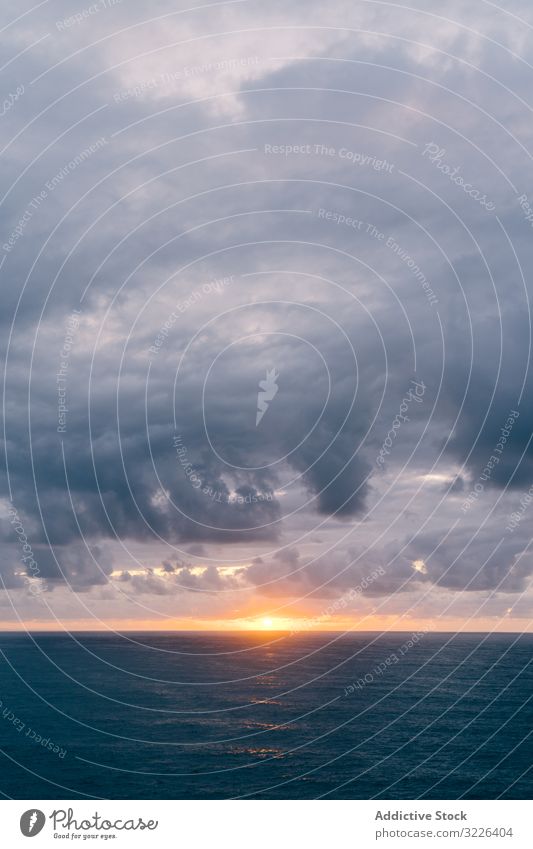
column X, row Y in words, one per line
column 264, row 623
column 273, row 624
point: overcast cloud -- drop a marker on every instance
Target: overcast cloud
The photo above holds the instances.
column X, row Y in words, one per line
column 336, row 195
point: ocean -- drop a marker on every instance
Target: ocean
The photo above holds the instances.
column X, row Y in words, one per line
column 265, row 716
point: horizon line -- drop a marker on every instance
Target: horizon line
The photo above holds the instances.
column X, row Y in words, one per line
column 240, row 631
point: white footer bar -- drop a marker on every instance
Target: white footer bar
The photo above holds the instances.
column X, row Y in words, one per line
column 268, row 824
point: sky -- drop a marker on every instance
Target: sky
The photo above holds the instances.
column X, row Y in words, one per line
column 265, row 315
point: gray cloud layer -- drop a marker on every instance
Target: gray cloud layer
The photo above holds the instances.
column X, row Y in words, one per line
column 214, row 213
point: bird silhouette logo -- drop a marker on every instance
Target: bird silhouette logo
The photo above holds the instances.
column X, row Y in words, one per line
column 268, row 389
column 32, row 822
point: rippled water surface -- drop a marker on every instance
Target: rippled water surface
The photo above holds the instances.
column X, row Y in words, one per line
column 205, row 715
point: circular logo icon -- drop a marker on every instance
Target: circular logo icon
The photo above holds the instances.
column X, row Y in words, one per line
column 32, row 822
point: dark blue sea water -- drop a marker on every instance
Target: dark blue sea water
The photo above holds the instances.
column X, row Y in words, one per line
column 210, row 716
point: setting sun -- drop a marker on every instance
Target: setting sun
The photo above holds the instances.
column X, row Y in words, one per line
column 264, row 623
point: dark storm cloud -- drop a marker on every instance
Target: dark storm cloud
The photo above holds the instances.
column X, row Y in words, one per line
column 129, row 240
column 370, row 573
column 493, row 434
column 76, row 565
column 11, row 567
column 289, row 574
column 461, row 561
column 453, row 561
